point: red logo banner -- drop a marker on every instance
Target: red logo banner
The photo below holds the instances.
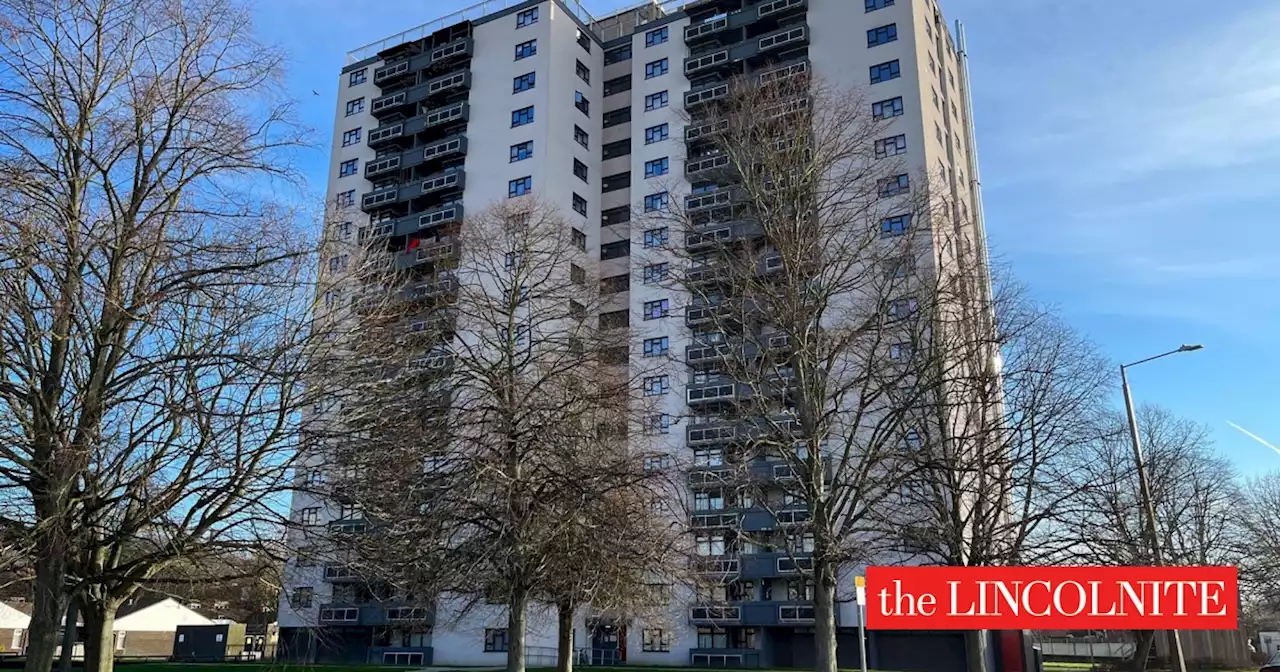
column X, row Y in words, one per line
column 1051, row 598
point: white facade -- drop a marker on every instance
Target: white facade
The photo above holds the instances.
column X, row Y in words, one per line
column 933, row 120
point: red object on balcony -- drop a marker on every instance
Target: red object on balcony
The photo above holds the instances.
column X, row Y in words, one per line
column 414, row 242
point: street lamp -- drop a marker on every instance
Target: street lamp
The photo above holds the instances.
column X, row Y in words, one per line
column 1144, row 486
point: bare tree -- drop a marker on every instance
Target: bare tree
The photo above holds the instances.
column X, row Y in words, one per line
column 816, row 264
column 1194, row 491
column 151, row 323
column 492, row 428
column 1259, row 546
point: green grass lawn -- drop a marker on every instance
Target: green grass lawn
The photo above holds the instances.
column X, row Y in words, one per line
column 269, row 666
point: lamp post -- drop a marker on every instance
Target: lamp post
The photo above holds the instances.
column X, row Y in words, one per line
column 1175, row 640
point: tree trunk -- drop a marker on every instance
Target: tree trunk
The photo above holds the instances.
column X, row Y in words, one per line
column 975, row 646
column 48, row 608
column 564, row 640
column 517, row 610
column 68, row 636
column 824, row 615
column 99, row 638
column 1143, row 641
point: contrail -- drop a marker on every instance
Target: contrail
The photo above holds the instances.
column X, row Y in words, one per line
column 1253, row 436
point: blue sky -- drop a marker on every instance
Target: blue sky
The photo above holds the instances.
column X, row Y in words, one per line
column 1130, row 155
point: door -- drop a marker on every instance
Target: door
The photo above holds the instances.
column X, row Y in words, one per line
column 608, row 643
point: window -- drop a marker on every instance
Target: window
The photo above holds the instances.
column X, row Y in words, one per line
column 882, row 35
column 617, row 85
column 521, row 151
column 655, row 273
column 656, row 134
column 655, row 101
column 358, row 77
column 655, row 386
column 658, row 36
column 653, row 347
column 314, row 477
column 584, row 73
column 301, row 598
column 580, row 101
column 615, row 182
column 710, row 544
column 912, row 440
column 619, row 116
column 527, row 18
column 659, row 423
column 885, row 72
column 347, row 198
column 523, row 82
column 309, row 515
column 873, row 5
column 891, row 146
column 708, row 501
column 657, row 68
column 348, row 167
column 903, row 308
column 900, row 351
column 655, row 202
column 355, row 106
column 708, row 457
column 654, row 310
column 656, row 167
column 615, row 250
column 617, row 55
column 892, row 186
column 657, row 463
column 615, row 284
column 618, row 215
column 526, row 49
column 656, row 237
column 580, row 205
column 657, row 640
column 580, row 170
column 615, row 149
column 522, row 116
column 580, row 136
column 577, row 275
column 495, row 639
column 579, row 240
column 584, row 40
column 519, row 187
column 887, row 108
column 338, row 263
column 351, row 137
column 895, row 226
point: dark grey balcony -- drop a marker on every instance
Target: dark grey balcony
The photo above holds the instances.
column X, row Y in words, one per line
column 759, row 614
column 763, row 521
column 721, row 233
column 705, row 95
column 381, row 166
column 338, row 614
column 704, row 131
column 708, row 274
column 707, row 166
column 715, row 614
column 724, row 658
column 431, row 290
column 428, row 253
column 715, row 521
column 450, row 113
column 702, row 353
column 456, row 50
column 446, row 214
column 385, row 134
column 390, row 103
column 336, row 572
column 707, row 201
column 785, row 73
column 717, row 390
column 789, row 38
column 452, row 146
column 704, row 434
column 714, row 476
column 393, row 72
column 718, row 566
column 775, row 565
column 706, row 62
column 376, row 199
column 450, row 83
column 781, row 8
column 453, row 178
column 706, row 29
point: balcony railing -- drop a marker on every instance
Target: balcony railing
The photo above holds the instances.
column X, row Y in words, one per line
column 790, row 37
column 715, row 614
column 778, row 7
column 697, row 64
